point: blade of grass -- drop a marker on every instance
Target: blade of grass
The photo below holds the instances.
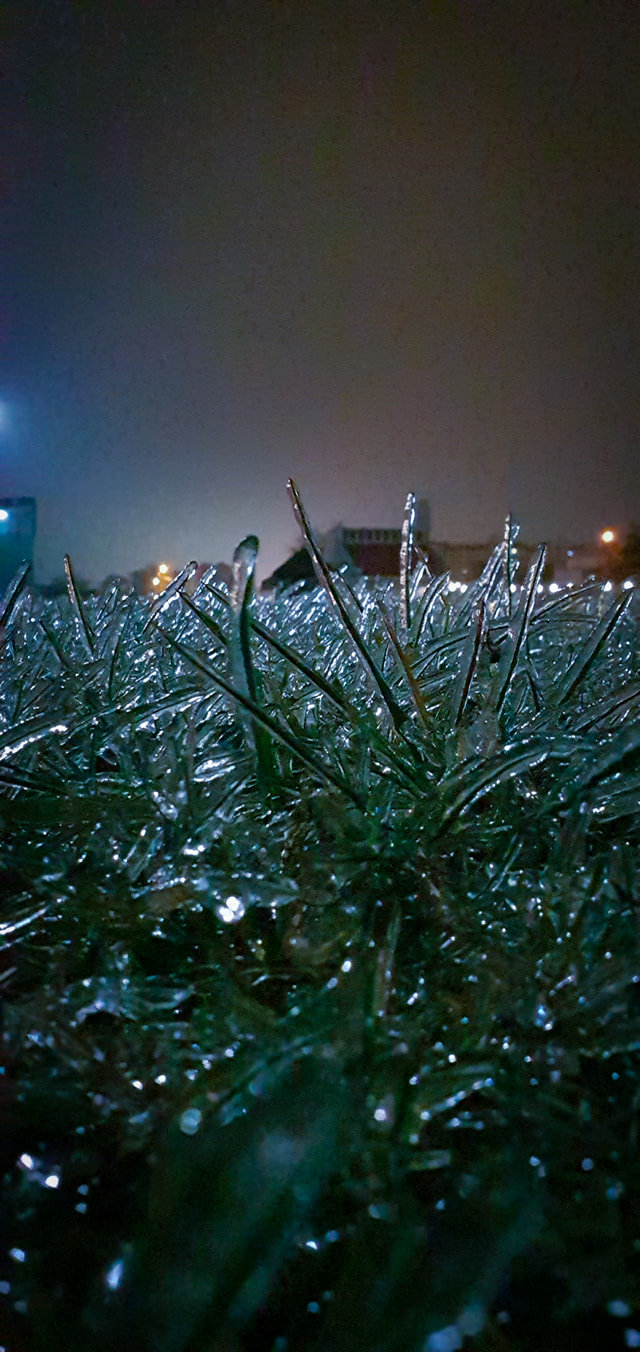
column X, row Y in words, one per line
column 245, row 677
column 173, row 589
column 511, row 531
column 517, row 634
column 609, row 707
column 13, row 592
column 490, row 578
column 208, row 620
column 432, row 594
column 469, row 661
column 279, row 733
column 406, row 551
column 377, row 742
column 405, row 667
column 589, row 648
column 624, row 743
column 243, row 568
column 77, row 606
column 513, row 761
column 323, row 574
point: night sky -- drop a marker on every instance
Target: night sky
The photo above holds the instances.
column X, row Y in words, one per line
column 377, row 247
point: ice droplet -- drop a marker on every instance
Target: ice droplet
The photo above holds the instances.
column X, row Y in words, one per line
column 114, row 1275
column 190, row 1121
column 620, row 1309
column 231, row 910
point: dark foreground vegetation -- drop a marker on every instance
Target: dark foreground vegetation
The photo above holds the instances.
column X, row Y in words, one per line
column 319, row 963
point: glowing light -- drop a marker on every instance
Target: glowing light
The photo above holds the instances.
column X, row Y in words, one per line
column 554, row 587
column 4, row 515
column 627, row 584
column 155, row 582
column 163, row 568
column 607, row 536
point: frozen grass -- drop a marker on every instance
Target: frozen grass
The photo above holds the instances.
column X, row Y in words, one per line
column 320, row 970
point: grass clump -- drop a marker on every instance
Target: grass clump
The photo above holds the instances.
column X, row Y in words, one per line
column 320, row 970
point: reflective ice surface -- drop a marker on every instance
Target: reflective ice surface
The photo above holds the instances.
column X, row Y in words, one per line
column 324, row 906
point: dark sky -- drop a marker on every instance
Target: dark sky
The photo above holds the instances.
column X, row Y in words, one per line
column 375, row 246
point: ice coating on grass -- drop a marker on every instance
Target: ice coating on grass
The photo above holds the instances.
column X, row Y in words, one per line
column 430, row 882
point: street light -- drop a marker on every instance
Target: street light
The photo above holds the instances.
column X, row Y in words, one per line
column 607, row 537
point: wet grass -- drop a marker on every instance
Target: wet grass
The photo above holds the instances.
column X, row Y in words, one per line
column 319, row 964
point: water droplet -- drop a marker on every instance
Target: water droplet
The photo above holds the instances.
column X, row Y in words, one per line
column 190, row 1121
column 114, row 1275
column 543, row 1019
column 620, row 1309
column 231, row 910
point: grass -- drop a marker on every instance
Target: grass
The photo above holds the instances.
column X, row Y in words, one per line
column 319, row 965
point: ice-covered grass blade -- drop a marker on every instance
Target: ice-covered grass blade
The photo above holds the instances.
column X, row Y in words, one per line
column 323, row 574
column 361, row 1051
column 433, row 594
column 406, row 562
column 468, row 662
column 404, row 662
column 264, row 720
column 170, row 592
column 77, row 607
column 589, row 649
column 519, row 627
column 246, row 679
column 13, row 592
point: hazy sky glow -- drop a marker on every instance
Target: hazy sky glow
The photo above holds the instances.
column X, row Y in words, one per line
column 374, row 246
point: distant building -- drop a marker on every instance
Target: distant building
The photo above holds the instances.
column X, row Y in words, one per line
column 374, row 552
column 296, row 570
column 357, row 551
column 17, row 536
